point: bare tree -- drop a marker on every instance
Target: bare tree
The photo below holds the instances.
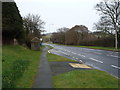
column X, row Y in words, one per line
column 111, row 10
column 59, row 36
column 33, row 24
column 104, row 25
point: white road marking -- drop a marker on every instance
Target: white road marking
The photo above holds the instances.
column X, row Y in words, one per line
column 73, row 53
column 73, row 57
column 76, row 58
column 96, row 60
column 80, row 60
column 115, row 66
column 97, row 53
column 113, row 56
column 48, row 51
column 83, row 56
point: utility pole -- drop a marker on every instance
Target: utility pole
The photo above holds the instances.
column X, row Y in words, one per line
column 116, row 40
column 116, row 36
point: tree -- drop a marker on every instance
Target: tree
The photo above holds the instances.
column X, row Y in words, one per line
column 11, row 23
column 59, row 36
column 104, row 25
column 110, row 9
column 32, row 25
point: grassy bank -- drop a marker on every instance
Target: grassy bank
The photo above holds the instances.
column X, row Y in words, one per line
column 85, row 79
column 52, row 57
column 19, row 66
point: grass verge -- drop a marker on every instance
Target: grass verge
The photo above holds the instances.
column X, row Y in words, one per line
column 102, row 48
column 85, row 79
column 50, row 47
column 19, row 66
column 53, row 57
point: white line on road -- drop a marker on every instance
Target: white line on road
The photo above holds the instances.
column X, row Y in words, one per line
column 48, row 51
column 80, row 60
column 73, row 53
column 82, row 55
column 96, row 60
column 97, row 53
column 115, row 66
column 113, row 56
column 76, row 58
column 73, row 57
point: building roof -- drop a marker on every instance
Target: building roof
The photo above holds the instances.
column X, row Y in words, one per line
column 35, row 39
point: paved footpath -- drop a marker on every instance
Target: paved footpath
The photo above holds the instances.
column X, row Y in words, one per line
column 44, row 75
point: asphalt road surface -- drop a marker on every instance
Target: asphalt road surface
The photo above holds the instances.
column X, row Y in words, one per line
column 104, row 60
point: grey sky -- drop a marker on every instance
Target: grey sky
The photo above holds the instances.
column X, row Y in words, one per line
column 61, row 13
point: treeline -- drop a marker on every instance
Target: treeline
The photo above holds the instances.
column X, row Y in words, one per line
column 80, row 35
column 14, row 26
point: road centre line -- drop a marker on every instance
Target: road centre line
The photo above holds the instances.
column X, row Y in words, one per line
column 96, row 60
column 97, row 53
column 73, row 53
column 113, row 56
column 76, row 58
column 81, row 55
column 73, row 57
column 115, row 66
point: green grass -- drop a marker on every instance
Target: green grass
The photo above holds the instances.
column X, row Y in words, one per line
column 85, row 79
column 19, row 66
column 52, row 57
column 50, row 47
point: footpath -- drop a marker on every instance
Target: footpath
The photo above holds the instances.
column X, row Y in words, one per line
column 44, row 74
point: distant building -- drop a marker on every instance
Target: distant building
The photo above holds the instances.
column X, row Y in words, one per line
column 75, row 34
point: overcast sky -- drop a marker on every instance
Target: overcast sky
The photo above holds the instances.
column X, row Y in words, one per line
column 61, row 13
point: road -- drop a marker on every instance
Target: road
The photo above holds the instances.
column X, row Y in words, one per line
column 104, row 60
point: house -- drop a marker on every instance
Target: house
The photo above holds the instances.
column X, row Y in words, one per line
column 75, row 34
